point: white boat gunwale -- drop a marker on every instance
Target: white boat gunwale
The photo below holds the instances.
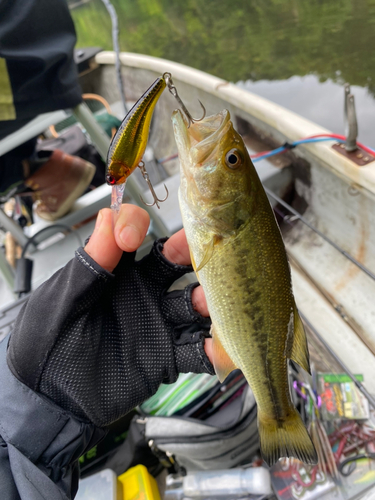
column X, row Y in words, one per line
column 283, row 124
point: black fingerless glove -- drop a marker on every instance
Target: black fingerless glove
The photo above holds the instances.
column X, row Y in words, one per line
column 99, row 344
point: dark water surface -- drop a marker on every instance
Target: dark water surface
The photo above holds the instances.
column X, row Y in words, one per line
column 297, row 53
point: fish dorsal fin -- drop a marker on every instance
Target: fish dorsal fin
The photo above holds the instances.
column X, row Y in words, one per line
column 208, row 251
column 298, row 351
column 222, row 363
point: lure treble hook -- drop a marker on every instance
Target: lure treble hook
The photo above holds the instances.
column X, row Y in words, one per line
column 172, row 89
column 146, row 177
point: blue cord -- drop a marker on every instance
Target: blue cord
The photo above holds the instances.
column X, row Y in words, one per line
column 267, row 155
column 296, row 143
column 317, row 139
column 276, row 151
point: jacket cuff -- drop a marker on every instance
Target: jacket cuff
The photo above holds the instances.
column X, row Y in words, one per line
column 86, row 260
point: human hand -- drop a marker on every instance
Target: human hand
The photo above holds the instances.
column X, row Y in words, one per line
column 106, row 246
column 102, row 343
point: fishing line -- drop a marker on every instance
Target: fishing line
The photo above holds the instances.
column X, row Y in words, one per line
column 322, row 235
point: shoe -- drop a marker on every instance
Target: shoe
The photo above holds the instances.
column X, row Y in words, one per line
column 58, row 183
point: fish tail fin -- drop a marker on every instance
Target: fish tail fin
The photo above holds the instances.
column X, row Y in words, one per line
column 287, row 438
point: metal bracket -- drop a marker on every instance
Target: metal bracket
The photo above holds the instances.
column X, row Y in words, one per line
column 359, row 156
column 351, row 126
column 349, row 149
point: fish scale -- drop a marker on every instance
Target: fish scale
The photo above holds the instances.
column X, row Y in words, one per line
column 247, row 286
column 240, row 260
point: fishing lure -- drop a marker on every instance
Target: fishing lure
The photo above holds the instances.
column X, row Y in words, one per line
column 129, row 143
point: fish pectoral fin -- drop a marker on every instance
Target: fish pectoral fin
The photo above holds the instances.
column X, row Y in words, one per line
column 208, row 251
column 194, row 264
column 299, row 352
column 222, row 363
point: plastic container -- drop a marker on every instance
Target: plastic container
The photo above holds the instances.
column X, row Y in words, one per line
column 165, row 393
column 172, row 397
column 234, row 482
column 138, row 484
column 99, row 486
column 195, row 386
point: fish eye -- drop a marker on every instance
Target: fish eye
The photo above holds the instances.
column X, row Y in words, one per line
column 233, row 159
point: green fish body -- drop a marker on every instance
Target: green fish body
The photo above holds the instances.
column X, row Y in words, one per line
column 240, row 260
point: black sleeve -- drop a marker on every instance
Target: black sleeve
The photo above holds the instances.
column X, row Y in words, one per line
column 37, row 39
column 99, row 344
column 87, row 347
column 39, row 442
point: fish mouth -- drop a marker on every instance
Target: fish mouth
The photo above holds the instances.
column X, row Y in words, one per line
column 202, row 137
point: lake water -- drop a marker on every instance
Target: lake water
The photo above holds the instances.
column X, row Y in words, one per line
column 297, row 53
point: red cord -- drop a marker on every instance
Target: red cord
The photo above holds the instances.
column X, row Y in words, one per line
column 343, row 138
column 262, row 153
column 334, row 136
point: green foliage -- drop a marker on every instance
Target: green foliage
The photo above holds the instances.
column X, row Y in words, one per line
column 242, row 39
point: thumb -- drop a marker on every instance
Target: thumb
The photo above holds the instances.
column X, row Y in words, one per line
column 106, row 246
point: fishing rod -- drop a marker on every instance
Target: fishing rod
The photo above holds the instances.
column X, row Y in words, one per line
column 115, row 40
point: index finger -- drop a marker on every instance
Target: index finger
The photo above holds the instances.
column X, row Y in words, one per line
column 176, row 249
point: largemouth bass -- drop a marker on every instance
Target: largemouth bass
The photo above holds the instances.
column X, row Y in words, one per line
column 240, row 260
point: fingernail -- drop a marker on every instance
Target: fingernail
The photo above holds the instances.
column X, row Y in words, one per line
column 99, row 219
column 131, row 237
